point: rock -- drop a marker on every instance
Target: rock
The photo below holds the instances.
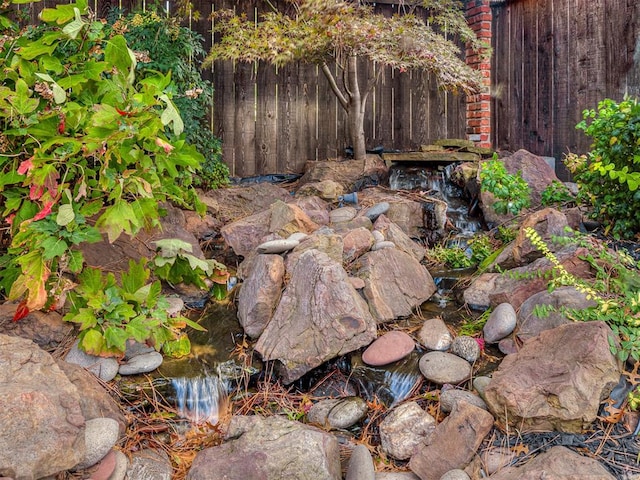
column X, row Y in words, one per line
column 105, row 368
column 100, row 435
column 320, row 316
column 298, row 236
column 435, row 335
column 358, row 222
column 42, row 430
column 47, row 330
column 287, row 218
column 149, row 464
column 105, row 468
column 260, row 293
column 355, row 243
column 449, row 399
column 480, row 384
column 396, row 476
column 378, row 236
column 372, row 213
column 530, row 325
column 405, row 428
column 455, row 474
column 390, row 347
column 497, row 458
column 277, row 246
column 453, row 443
column 556, row 381
column 395, row 283
column 360, row 465
column 466, row 347
column 323, row 241
column 548, row 223
column 383, row 245
column 315, row 208
column 95, row 401
column 518, row 284
column 501, row 322
column 352, row 175
column 557, row 463
column 176, row 305
column 356, row 283
column 271, row 448
column 134, row 348
column 327, row 190
column 245, row 234
column 507, row 346
column 338, row 413
column 343, row 214
column 143, row 363
column 442, row 367
column 122, row 465
column 233, row 203
column 394, row 233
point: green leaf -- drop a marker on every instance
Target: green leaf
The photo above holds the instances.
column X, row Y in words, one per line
column 76, row 261
column 75, row 27
column 21, row 101
column 138, row 328
column 92, row 341
column 116, row 338
column 135, row 278
column 177, row 348
column 53, row 247
column 192, row 324
column 117, row 219
column 171, row 115
column 38, row 48
column 118, row 54
column 171, row 247
column 65, row 215
column 85, row 318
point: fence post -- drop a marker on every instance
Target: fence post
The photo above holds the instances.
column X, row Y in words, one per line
column 478, row 115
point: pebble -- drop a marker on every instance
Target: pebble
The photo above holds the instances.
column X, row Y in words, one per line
column 105, row 368
column 501, row 322
column 496, row 459
column 480, row 384
column 143, row 363
column 396, row 476
column 466, row 347
column 383, row 245
column 388, row 348
column 507, row 346
column 405, row 428
column 342, row 214
column 134, row 348
column 378, row 209
column 442, row 367
column 105, row 467
column 338, row 413
column 450, row 398
column 360, row 465
column 297, row 236
column 149, row 464
column 357, row 283
column 435, row 335
column 176, row 304
column 100, row 435
column 122, row 465
column 378, row 236
column 456, row 474
column 277, row 246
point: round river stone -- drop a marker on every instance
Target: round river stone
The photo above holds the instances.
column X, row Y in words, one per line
column 390, row 347
column 442, row 367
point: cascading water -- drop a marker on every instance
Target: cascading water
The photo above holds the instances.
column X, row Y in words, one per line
column 201, row 399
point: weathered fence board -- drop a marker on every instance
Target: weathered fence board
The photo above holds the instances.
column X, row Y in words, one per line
column 555, row 58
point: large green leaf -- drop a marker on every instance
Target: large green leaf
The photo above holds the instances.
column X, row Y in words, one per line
column 43, row 46
column 118, row 54
column 116, row 338
column 74, row 27
column 21, row 101
column 117, row 219
column 135, row 278
column 170, row 115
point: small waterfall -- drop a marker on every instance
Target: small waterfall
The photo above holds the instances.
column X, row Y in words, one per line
column 200, row 399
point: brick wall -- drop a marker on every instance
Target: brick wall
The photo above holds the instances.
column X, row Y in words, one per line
column 478, row 125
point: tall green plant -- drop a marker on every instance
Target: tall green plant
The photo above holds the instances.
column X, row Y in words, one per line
column 83, row 150
column 512, row 193
column 609, row 176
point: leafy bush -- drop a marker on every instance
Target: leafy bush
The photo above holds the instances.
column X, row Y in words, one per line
column 609, row 176
column 161, row 44
column 556, row 193
column 83, row 152
column 511, row 191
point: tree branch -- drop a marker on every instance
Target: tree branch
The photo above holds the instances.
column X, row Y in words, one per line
column 334, row 86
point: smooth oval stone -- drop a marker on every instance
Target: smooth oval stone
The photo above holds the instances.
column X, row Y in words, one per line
column 435, row 335
column 442, row 367
column 378, row 236
column 360, row 465
column 455, row 474
column 390, row 347
column 501, row 322
column 383, row 245
column 105, row 467
column 466, row 347
column 277, row 246
column 297, row 236
column 480, row 384
column 450, row 398
column 100, row 435
column 143, row 363
column 105, row 368
column 378, row 209
column 507, row 345
column 338, row 413
column 343, row 214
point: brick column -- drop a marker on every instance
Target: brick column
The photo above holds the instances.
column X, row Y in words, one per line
column 478, row 125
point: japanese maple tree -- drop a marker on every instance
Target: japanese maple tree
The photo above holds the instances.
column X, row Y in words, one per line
column 325, row 32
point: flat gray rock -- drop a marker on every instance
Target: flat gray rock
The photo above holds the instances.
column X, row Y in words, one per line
column 442, row 367
column 360, row 465
column 143, row 363
column 105, row 368
column 435, row 335
column 100, row 435
column 501, row 322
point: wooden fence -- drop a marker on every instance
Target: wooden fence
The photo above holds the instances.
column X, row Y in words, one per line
column 554, row 58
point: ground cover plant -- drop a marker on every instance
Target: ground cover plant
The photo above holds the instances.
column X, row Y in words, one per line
column 87, row 149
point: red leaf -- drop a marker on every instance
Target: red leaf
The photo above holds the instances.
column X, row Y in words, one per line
column 21, row 312
column 25, row 166
column 46, row 210
column 35, row 191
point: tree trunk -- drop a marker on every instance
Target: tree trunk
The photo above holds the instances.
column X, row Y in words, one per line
column 355, row 110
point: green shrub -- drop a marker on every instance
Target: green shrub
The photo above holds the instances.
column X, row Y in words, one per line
column 556, row 193
column 511, row 192
column 609, row 176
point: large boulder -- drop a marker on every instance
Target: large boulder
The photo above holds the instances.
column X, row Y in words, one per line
column 45, row 329
column 352, row 175
column 259, row 293
column 453, row 443
column 395, row 283
column 320, row 316
column 556, row 381
column 271, row 448
column 557, row 463
column 42, row 423
column 233, row 203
